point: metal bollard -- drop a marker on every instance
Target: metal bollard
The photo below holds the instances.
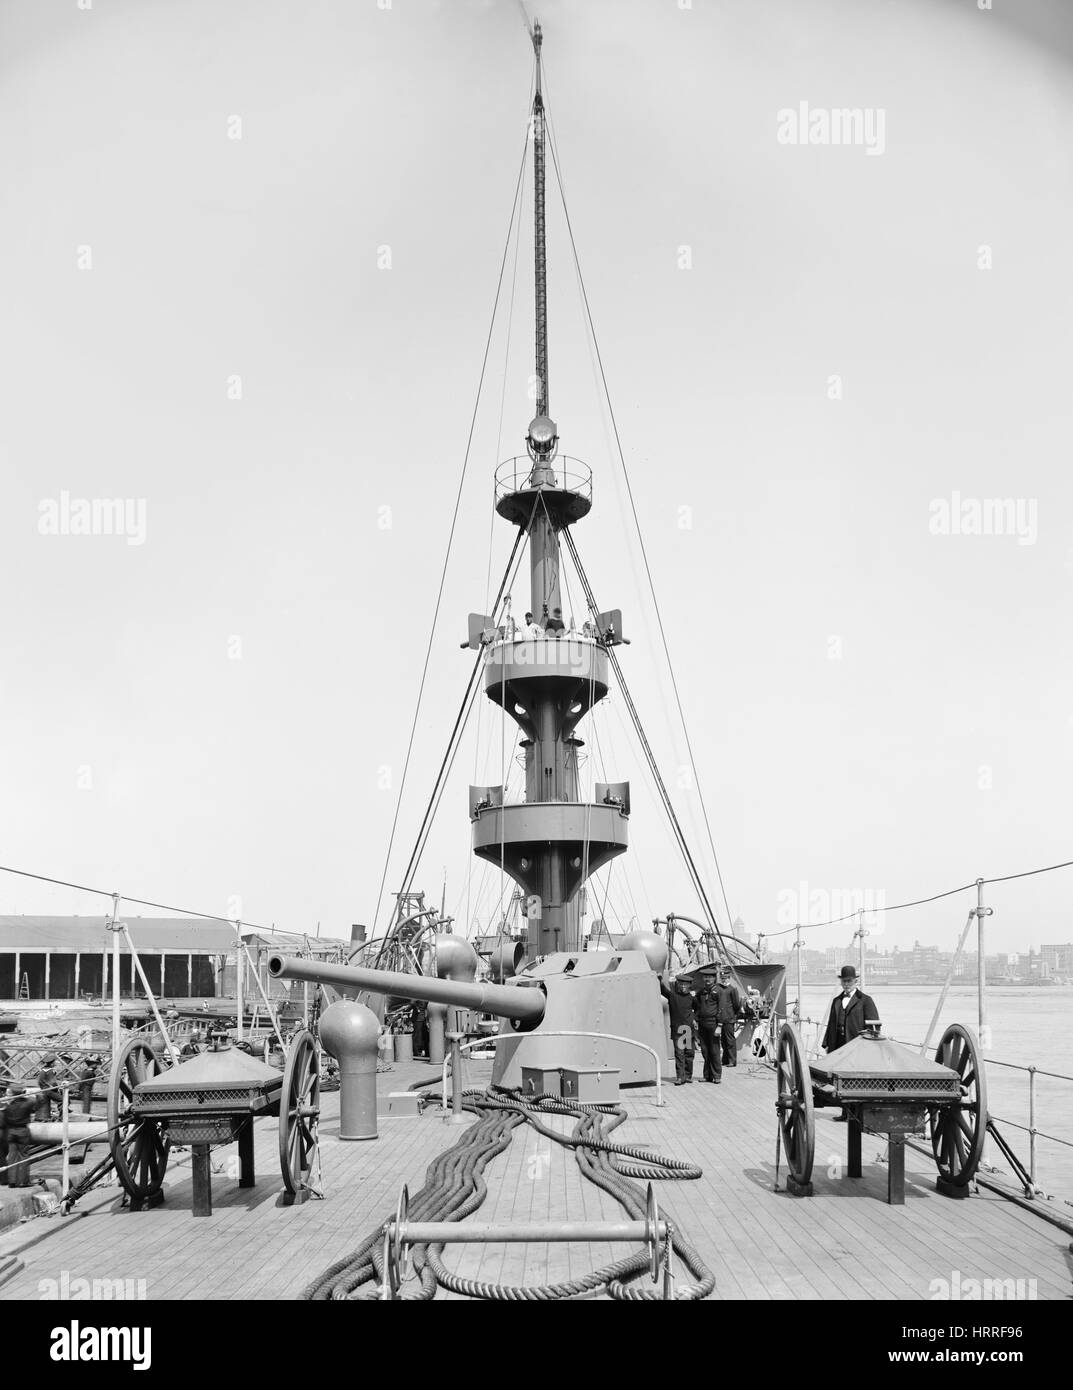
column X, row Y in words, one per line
column 65, row 1113
column 349, row 1032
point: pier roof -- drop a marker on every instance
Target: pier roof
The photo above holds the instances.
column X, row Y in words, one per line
column 69, row 934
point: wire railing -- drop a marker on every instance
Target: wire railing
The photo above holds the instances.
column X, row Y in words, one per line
column 1033, row 1129
column 563, row 474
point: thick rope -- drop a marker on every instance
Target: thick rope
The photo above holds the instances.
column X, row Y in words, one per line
column 455, row 1188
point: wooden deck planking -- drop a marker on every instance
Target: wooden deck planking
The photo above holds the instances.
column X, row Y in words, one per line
column 844, row 1242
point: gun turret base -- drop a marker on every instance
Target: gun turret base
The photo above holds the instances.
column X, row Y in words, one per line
column 604, row 995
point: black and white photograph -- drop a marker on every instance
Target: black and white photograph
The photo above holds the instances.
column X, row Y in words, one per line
column 537, row 706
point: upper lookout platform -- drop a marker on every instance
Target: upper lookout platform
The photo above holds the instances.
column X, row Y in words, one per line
column 562, row 487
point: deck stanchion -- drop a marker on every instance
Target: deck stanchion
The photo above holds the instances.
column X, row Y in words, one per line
column 981, row 976
column 240, row 970
column 65, row 1112
column 981, row 967
column 1032, row 1124
column 798, row 1015
column 113, row 927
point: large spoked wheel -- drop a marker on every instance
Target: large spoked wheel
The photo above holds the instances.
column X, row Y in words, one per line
column 797, row 1120
column 299, row 1113
column 139, row 1146
column 958, row 1131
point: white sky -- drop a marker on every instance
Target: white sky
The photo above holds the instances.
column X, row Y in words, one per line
column 214, row 779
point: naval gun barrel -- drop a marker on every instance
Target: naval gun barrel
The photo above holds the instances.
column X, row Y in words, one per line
column 521, row 1002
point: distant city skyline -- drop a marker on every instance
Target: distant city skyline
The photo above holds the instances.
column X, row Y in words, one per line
column 1050, row 960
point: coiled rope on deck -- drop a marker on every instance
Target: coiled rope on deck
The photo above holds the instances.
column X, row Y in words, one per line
column 455, row 1188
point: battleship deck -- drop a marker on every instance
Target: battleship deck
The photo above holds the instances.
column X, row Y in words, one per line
column 842, row 1243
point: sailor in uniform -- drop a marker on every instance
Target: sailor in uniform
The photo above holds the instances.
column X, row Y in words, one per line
column 18, row 1113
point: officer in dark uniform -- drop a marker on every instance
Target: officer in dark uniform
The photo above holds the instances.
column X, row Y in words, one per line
column 708, row 1008
column 729, row 1024
column 17, row 1129
column 49, row 1090
column 850, row 1011
column 680, row 1008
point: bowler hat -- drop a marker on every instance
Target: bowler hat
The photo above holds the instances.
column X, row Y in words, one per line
column 848, row 972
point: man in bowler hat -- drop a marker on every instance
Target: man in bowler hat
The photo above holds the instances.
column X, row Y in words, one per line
column 850, row 1012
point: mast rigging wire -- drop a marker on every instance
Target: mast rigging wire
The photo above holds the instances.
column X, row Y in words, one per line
column 454, row 741
column 492, row 511
column 650, row 756
column 216, row 917
column 140, row 902
column 607, row 761
column 451, row 534
column 633, row 509
column 920, row 902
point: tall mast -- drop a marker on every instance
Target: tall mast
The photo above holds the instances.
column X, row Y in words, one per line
column 542, row 438
column 540, row 247
column 551, row 842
